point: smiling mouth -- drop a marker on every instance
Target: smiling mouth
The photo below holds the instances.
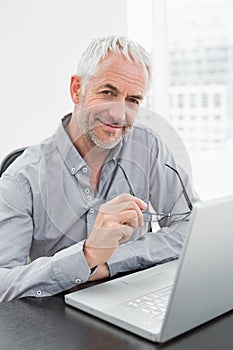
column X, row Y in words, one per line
column 114, row 126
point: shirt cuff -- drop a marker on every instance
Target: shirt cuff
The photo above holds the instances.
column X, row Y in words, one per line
column 70, row 266
column 124, row 259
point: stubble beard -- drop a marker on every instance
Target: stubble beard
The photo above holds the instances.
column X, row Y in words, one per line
column 90, row 131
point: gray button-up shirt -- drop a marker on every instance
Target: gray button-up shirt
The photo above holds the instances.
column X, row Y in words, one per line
column 48, row 209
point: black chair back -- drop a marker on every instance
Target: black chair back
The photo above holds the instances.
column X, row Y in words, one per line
column 10, row 159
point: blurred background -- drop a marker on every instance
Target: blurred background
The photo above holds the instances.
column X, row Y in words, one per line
column 191, row 42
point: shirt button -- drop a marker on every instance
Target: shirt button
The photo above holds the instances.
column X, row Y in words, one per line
column 73, row 170
column 91, row 210
column 78, row 281
column 38, row 292
column 87, row 190
column 85, row 170
column 89, row 198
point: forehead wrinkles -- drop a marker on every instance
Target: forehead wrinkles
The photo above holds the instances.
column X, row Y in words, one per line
column 121, row 79
column 122, row 82
column 119, row 69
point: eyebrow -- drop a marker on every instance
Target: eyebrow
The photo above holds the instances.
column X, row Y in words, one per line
column 115, row 89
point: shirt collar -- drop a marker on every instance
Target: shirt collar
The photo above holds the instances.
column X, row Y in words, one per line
column 70, row 154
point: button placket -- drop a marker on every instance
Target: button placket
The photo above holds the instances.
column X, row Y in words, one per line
column 73, row 170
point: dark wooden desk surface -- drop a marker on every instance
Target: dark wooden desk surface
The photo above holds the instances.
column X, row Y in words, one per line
column 49, row 324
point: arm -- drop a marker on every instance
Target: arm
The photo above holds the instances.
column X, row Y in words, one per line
column 49, row 275
column 165, row 195
column 148, row 250
column 44, row 276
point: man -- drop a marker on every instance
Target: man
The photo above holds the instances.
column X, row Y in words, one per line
column 72, row 207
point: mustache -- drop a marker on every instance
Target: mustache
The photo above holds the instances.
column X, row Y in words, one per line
column 112, row 121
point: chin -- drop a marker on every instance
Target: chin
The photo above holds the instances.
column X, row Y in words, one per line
column 106, row 144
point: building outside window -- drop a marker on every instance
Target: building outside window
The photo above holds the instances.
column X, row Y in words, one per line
column 217, row 100
column 195, row 39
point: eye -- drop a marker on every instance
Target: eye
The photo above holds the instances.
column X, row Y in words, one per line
column 133, row 100
column 107, row 92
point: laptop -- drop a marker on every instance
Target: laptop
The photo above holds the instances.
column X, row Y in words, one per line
column 161, row 302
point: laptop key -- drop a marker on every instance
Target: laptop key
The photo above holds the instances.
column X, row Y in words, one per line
column 153, row 304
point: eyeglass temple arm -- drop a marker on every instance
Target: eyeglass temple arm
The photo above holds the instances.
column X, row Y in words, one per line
column 182, row 184
column 131, row 191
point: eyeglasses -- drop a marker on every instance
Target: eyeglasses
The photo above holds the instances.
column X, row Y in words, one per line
column 157, row 217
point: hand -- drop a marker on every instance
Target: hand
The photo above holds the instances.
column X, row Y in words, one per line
column 101, row 272
column 115, row 223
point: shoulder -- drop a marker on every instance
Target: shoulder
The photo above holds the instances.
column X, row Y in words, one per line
column 27, row 165
column 143, row 135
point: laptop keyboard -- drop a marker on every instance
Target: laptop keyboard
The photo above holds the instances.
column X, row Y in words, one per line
column 153, row 304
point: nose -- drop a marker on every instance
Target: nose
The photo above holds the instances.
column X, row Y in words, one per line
column 117, row 112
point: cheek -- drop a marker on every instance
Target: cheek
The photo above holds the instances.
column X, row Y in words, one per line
column 131, row 114
column 91, row 100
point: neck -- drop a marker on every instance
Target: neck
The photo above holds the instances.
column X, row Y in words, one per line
column 94, row 156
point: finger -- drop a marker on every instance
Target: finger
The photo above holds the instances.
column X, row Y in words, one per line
column 111, row 213
column 115, row 208
column 133, row 206
column 127, row 232
column 128, row 217
column 126, row 197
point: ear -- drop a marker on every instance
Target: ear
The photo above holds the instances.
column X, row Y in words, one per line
column 75, row 88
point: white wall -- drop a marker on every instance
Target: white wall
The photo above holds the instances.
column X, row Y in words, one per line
column 40, row 44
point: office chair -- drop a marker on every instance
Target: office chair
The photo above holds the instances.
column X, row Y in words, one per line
column 10, row 159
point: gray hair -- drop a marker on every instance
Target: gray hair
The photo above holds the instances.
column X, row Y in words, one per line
column 99, row 48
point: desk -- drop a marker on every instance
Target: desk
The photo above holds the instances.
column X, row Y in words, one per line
column 49, row 324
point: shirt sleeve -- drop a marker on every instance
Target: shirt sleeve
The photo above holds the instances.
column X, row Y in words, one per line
column 44, row 276
column 152, row 248
column 165, row 196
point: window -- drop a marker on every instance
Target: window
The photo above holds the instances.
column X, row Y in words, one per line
column 204, row 100
column 180, row 99
column 170, row 96
column 192, row 100
column 217, row 100
column 197, row 43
